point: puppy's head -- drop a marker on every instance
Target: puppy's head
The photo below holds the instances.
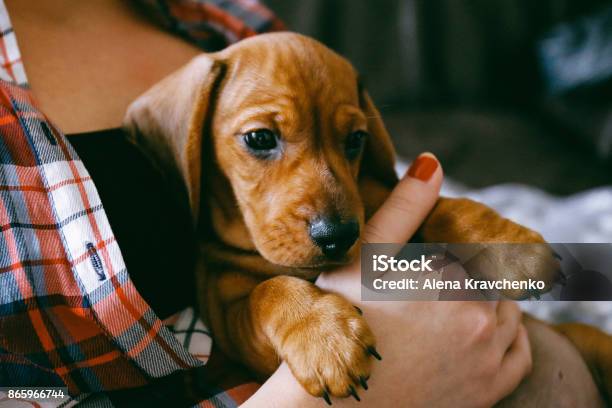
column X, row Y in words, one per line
column 290, row 142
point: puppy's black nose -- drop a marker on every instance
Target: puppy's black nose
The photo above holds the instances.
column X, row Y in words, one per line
column 333, row 236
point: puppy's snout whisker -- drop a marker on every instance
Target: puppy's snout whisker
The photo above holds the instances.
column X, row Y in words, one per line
column 333, row 236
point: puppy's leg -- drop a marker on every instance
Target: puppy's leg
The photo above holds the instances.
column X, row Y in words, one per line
column 459, row 220
column 595, row 346
column 322, row 337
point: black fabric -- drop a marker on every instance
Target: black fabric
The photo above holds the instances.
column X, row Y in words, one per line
column 151, row 224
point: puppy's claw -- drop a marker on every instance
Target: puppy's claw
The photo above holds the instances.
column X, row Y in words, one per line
column 562, row 279
column 364, row 383
column 326, row 398
column 358, row 310
column 354, row 393
column 372, row 351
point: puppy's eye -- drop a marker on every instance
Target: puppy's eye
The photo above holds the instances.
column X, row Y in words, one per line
column 354, row 143
column 261, row 140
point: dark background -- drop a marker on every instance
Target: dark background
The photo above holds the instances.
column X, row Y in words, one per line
column 501, row 90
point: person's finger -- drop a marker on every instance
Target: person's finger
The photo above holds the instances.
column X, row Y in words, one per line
column 409, row 203
column 516, row 364
column 508, row 321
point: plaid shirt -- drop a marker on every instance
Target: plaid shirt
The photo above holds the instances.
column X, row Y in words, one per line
column 69, row 313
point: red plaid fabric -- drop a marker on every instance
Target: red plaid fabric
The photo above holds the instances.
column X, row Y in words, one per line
column 11, row 67
column 214, row 24
column 69, row 313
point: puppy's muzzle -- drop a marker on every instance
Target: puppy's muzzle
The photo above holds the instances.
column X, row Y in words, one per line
column 334, row 236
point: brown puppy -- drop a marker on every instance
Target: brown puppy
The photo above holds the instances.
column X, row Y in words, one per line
column 283, row 157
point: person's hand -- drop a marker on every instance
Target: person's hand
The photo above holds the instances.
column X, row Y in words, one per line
column 435, row 354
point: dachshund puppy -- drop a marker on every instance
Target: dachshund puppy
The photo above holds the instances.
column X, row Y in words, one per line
column 283, row 156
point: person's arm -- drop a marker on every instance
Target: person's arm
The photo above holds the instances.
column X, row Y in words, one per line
column 442, row 354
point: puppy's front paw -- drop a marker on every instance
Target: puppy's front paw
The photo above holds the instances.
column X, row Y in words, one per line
column 498, row 247
column 330, row 351
column 517, row 262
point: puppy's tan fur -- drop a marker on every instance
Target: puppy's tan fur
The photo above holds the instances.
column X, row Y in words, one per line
column 258, row 260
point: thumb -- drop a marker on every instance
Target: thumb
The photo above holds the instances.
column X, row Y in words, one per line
column 411, row 200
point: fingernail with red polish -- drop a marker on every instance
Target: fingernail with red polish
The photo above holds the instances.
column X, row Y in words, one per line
column 423, row 167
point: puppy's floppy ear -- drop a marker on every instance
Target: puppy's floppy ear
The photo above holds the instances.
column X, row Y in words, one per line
column 377, row 174
column 167, row 122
